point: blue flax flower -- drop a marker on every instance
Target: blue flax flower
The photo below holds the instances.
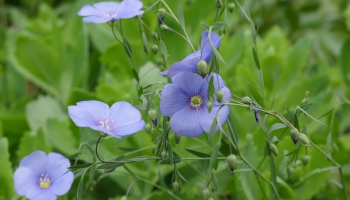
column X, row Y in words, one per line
column 189, row 64
column 119, row 120
column 110, row 11
column 43, row 177
column 185, row 101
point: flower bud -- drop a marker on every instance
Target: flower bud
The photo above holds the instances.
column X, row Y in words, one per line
column 274, row 149
column 155, row 35
column 256, row 115
column 206, row 194
column 231, row 162
column 161, row 15
column 160, row 61
column 123, row 198
column 231, row 7
column 303, row 139
column 202, row 67
column 305, row 160
column 219, row 95
column 294, row 135
column 148, row 128
column 153, row 115
column 164, row 27
column 176, row 187
column 251, row 106
column 154, row 48
column 164, row 155
column 177, row 138
column 209, row 105
column 246, row 100
column 218, row 3
column 290, row 170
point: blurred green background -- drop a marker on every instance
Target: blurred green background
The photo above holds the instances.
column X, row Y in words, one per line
column 50, row 59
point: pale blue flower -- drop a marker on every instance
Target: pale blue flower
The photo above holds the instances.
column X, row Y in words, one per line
column 110, row 11
column 43, row 177
column 119, row 120
column 185, row 100
column 189, row 64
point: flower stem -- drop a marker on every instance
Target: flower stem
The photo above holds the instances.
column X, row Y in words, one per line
column 97, row 151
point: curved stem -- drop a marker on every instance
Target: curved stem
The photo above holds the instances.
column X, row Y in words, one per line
column 96, row 150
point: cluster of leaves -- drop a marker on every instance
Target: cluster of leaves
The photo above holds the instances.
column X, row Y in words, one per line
column 50, row 60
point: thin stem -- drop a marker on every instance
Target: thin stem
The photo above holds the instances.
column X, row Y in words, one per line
column 343, row 182
column 129, row 188
column 96, row 150
column 115, row 36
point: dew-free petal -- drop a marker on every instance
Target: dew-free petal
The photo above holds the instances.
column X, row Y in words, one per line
column 207, row 119
column 129, row 129
column 124, row 113
column 34, row 161
column 88, row 10
column 96, row 19
column 191, row 83
column 173, row 99
column 24, row 180
column 185, row 122
column 62, row 184
column 56, row 165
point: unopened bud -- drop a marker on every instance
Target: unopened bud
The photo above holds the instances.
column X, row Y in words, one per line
column 290, row 170
column 206, row 194
column 274, row 149
column 231, row 7
column 154, row 48
column 218, row 3
column 177, row 138
column 303, row 139
column 153, row 115
column 164, row 155
column 256, row 115
column 202, row 67
column 123, row 198
column 161, row 15
column 160, row 61
column 148, row 128
column 155, row 35
column 231, row 162
column 246, row 100
column 305, row 160
column 176, row 187
column 219, row 95
column 209, row 105
column 294, row 134
column 164, row 27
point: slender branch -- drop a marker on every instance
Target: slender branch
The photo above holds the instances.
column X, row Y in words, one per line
column 96, row 150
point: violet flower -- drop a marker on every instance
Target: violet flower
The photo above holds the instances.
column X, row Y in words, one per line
column 119, row 120
column 185, row 101
column 43, row 177
column 189, row 64
column 110, row 11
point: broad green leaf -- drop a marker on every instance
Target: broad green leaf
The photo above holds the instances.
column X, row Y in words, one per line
column 33, row 142
column 6, row 173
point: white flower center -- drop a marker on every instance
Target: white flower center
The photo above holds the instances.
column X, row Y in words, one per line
column 107, row 123
column 44, row 181
column 111, row 12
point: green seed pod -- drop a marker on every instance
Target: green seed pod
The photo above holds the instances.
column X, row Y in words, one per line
column 231, row 7
column 305, row 160
column 202, row 67
column 290, row 170
column 148, row 128
column 219, row 95
column 206, row 194
column 123, row 198
column 164, row 27
column 218, row 4
column 177, row 138
column 246, row 100
column 294, row 134
column 154, row 48
column 176, row 187
column 164, row 155
column 155, row 35
column 209, row 105
column 303, row 139
column 153, row 115
column 274, row 149
column 231, row 162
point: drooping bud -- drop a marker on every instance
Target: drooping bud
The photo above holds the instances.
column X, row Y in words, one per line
column 219, row 95
column 123, row 198
column 154, row 48
column 202, row 67
column 160, row 61
column 303, row 139
column 231, row 162
column 256, row 114
column 164, row 155
column 206, row 194
column 274, row 149
column 209, row 105
column 305, row 160
column 246, row 100
column 155, row 35
column 153, row 115
column 294, row 134
column 218, row 3
column 231, row 7
column 161, row 15
column 176, row 187
column 148, row 128
column 290, row 171
column 177, row 138
column 164, row 27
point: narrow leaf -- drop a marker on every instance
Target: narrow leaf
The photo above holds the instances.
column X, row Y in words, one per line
column 256, row 59
column 215, row 51
column 170, row 154
column 212, row 130
column 181, row 17
column 80, row 166
column 182, row 177
column 214, row 156
column 218, row 25
column 276, row 126
column 215, row 181
column 110, row 165
column 127, row 48
column 136, row 75
column 197, row 153
column 163, row 49
column 167, row 161
column 345, row 61
column 311, row 116
column 152, row 6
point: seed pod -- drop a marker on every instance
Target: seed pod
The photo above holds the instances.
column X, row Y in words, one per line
column 176, row 187
column 274, row 149
column 177, row 138
column 231, row 7
column 164, row 155
column 206, row 194
column 219, row 95
column 202, row 67
column 209, row 105
column 305, row 160
column 303, row 139
column 231, row 162
column 148, row 128
column 154, row 48
column 290, row 170
column 218, row 3
column 155, row 35
column 294, row 134
column 153, row 115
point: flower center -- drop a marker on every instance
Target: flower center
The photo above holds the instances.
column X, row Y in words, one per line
column 107, row 123
column 196, row 101
column 44, row 181
column 111, row 12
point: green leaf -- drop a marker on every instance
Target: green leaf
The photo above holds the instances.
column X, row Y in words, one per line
column 135, row 74
column 182, row 177
column 110, row 165
column 344, row 62
column 307, row 106
column 218, row 25
column 256, row 59
column 215, row 51
column 215, row 181
column 127, row 47
column 276, row 126
column 80, row 166
column 170, row 153
column 152, row 6
column 310, row 116
column 163, row 50
column 144, row 42
column 212, row 130
column 6, row 173
column 181, row 17
column 33, row 142
column 232, row 130
column 167, row 161
column 197, row 153
column 214, row 156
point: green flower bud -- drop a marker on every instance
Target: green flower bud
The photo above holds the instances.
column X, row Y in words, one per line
column 231, row 162
column 164, row 155
column 274, row 149
column 164, row 27
column 206, row 194
column 231, row 7
column 154, row 48
column 290, row 170
column 155, row 35
column 123, row 198
column 251, row 106
column 176, row 187
column 219, row 95
column 160, row 61
column 305, row 160
column 294, row 134
column 177, row 138
column 161, row 13
column 209, row 105
column 218, row 3
column 153, row 115
column 303, row 139
column 202, row 67
column 148, row 128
